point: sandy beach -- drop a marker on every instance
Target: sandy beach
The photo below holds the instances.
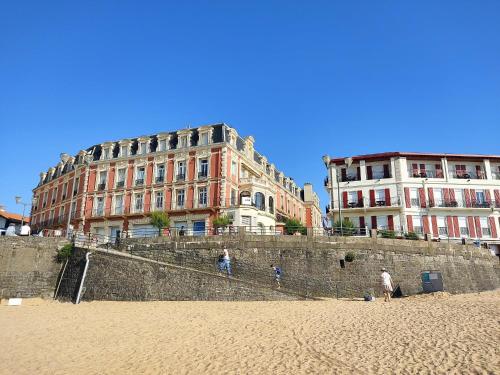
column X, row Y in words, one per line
column 438, row 334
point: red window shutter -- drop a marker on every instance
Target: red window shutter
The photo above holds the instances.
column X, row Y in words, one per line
column 487, row 195
column 387, row 197
column 431, row 197
column 479, row 232
column 456, row 226
column 497, row 198
column 409, row 221
column 467, row 198
column 449, row 223
column 358, row 173
column 372, row 198
column 360, row 199
column 435, row 230
column 425, row 221
column 414, row 170
column 343, row 173
column 390, row 222
column 344, row 198
column 407, row 197
column 446, row 195
column 386, row 171
column 472, row 197
column 472, row 228
column 421, row 194
column 452, row 195
column 493, row 227
column 374, row 222
column 369, row 173
column 439, row 171
column 362, row 222
column 479, row 172
column 422, row 168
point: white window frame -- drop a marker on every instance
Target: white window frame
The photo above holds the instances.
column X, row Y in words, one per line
column 202, row 202
column 118, row 176
column 177, row 200
column 156, row 198
column 118, row 210
column 137, row 175
column 136, row 200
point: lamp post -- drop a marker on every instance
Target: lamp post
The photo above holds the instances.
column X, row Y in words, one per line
column 86, row 160
column 19, row 201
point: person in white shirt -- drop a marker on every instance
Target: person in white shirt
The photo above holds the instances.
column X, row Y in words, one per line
column 227, row 262
column 387, row 284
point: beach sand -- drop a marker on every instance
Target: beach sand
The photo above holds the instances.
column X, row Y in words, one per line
column 438, row 334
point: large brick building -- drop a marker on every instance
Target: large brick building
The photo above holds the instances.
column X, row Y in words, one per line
column 193, row 174
column 444, row 195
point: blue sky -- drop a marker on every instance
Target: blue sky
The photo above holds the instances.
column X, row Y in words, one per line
column 304, row 78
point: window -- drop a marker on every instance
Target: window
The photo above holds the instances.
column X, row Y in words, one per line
column 73, row 210
column 143, row 148
column 441, row 223
column 459, row 197
column 417, row 225
column 124, row 151
column 378, row 171
column 61, row 214
column 183, row 143
column 102, row 180
column 234, row 168
column 64, row 190
column 352, row 197
column 271, row 205
column 54, row 195
column 382, row 223
column 140, row 176
column 204, row 138
column 45, row 198
column 480, row 196
column 233, row 197
column 485, row 227
column 51, row 216
column 118, row 207
column 181, row 170
column 106, row 153
column 180, row 198
column 462, row 224
column 438, row 197
column 138, row 203
column 120, row 180
column 160, row 173
column 202, row 197
column 162, row 145
column 75, row 188
column 415, row 201
column 99, row 206
column 246, row 221
column 159, row 200
column 380, row 197
column 203, row 168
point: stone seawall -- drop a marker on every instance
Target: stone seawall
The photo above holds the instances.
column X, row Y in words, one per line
column 312, row 265
column 118, row 277
column 27, row 266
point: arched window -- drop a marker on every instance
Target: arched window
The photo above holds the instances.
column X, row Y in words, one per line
column 260, row 201
column 245, row 198
column 271, row 205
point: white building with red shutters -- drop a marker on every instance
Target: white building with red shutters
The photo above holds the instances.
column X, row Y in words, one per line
column 447, row 196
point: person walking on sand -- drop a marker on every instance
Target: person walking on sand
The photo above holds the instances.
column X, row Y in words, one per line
column 227, row 262
column 387, row 284
column 277, row 275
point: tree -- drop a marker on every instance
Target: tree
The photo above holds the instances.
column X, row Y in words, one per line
column 159, row 220
column 221, row 221
column 348, row 228
column 293, row 226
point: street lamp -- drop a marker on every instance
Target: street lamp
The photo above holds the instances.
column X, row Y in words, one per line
column 19, row 201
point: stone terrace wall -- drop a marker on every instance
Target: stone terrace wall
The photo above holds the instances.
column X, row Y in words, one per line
column 311, row 265
column 27, row 266
column 117, row 277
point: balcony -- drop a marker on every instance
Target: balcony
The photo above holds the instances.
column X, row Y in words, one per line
column 159, row 179
column 358, row 204
column 442, row 203
column 120, row 184
column 101, row 187
column 139, row 182
column 202, row 175
column 181, row 177
column 349, row 178
column 468, row 175
column 415, row 173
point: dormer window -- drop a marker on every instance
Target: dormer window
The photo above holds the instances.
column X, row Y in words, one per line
column 124, row 151
column 204, row 139
column 105, row 153
column 183, row 141
column 162, row 145
column 143, row 148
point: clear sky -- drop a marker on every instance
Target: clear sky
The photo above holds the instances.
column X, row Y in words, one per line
column 304, row 78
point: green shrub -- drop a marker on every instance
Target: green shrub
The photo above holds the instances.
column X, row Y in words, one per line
column 221, row 221
column 348, row 228
column 159, row 220
column 293, row 226
column 64, row 252
column 349, row 256
column 387, row 233
column 411, row 236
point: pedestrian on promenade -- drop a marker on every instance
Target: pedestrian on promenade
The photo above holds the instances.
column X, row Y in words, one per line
column 227, row 262
column 387, row 284
column 277, row 275
column 181, row 232
column 220, row 263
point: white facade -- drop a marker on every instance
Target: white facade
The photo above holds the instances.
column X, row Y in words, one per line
column 445, row 196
